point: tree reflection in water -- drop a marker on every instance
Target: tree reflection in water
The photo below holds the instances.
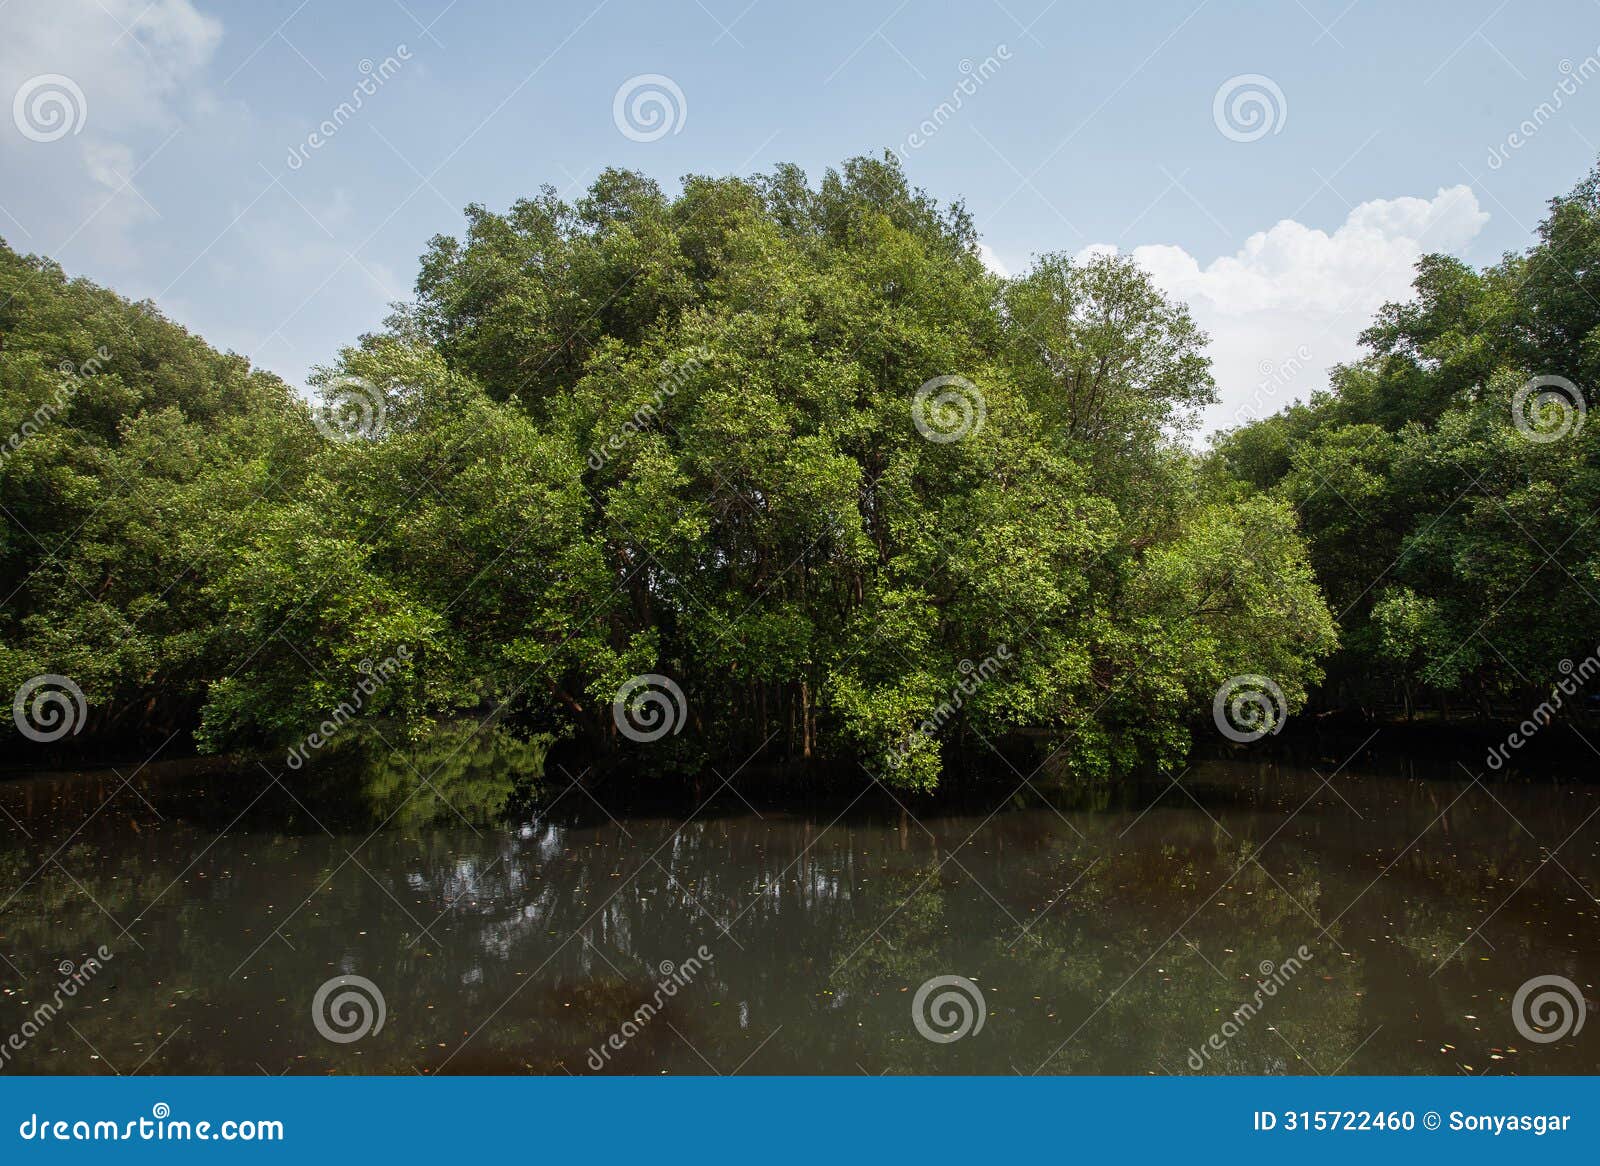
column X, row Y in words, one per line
column 512, row 923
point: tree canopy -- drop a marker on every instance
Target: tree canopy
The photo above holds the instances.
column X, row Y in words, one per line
column 788, row 449
column 1448, row 485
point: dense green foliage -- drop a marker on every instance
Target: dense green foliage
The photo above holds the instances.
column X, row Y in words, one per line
column 1458, row 548
column 132, row 452
column 662, row 435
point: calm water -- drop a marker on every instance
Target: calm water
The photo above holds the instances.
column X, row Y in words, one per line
column 1109, row 934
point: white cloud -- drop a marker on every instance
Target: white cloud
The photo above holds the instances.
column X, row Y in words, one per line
column 139, row 68
column 1293, row 299
column 992, row 261
column 135, row 62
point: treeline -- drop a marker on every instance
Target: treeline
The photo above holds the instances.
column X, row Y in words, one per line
column 780, row 463
column 779, row 468
column 1448, row 485
column 775, row 467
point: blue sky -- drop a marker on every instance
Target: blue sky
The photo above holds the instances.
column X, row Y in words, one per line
column 1083, row 126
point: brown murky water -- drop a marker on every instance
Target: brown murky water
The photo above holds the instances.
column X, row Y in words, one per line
column 1111, row 933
